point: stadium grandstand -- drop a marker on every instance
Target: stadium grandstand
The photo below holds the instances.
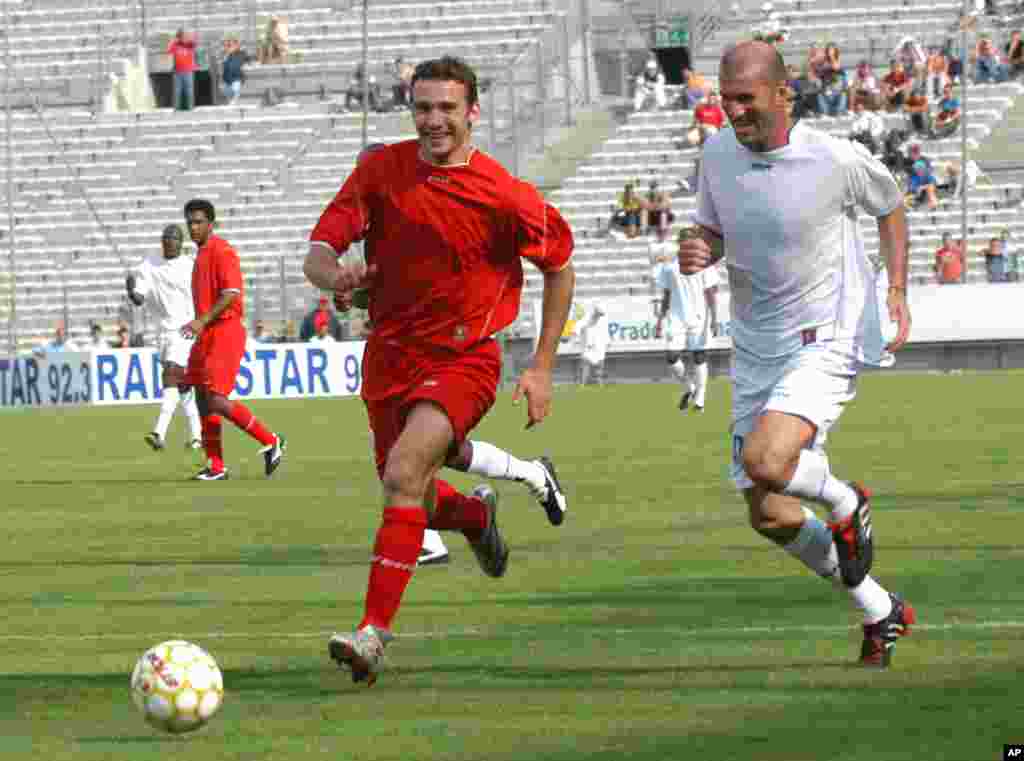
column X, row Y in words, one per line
column 97, row 161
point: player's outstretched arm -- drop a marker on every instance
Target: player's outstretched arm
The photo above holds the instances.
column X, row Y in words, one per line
column 892, row 234
column 536, row 381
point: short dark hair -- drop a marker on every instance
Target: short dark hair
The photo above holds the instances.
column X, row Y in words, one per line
column 200, row 204
column 448, row 69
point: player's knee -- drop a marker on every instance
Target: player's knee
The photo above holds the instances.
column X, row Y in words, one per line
column 700, row 357
column 766, row 465
column 403, row 478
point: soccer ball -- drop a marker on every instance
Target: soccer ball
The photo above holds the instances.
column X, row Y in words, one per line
column 177, row 686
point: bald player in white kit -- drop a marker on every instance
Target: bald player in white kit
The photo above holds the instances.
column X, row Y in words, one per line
column 779, row 202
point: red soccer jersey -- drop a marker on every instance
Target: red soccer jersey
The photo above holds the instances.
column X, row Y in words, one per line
column 217, row 270
column 447, row 241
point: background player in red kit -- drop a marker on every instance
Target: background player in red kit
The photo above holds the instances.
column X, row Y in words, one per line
column 448, row 227
column 220, row 343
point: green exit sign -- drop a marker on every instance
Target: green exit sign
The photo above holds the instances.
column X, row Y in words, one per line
column 675, row 33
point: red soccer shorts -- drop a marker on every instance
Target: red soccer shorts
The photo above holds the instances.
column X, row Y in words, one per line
column 464, row 386
column 216, row 356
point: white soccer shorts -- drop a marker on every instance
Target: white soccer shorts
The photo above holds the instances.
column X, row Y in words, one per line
column 174, row 348
column 815, row 383
column 693, row 337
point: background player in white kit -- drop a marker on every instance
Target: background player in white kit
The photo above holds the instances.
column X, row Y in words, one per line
column 779, row 201
column 690, row 304
column 166, row 279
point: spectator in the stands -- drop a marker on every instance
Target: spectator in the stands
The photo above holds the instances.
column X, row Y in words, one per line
column 96, row 339
column 1015, row 55
column 628, row 211
column 865, row 88
column 955, row 59
column 922, row 185
column 182, row 50
column 233, row 69
column 913, row 155
column 322, row 311
column 696, row 87
column 868, row 128
column 274, row 48
column 650, row 83
column 960, row 179
column 995, row 261
column 988, row 68
column 919, row 110
column 896, row 86
column 402, row 88
column 122, row 338
column 259, row 333
column 1012, row 254
column 658, row 206
column 59, row 343
column 937, row 68
column 354, row 93
column 947, row 118
column 912, row 56
column 949, row 261
column 322, row 329
column 708, row 119
column 833, row 100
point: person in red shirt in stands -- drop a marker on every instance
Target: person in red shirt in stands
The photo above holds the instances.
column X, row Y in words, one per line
column 949, row 261
column 219, row 345
column 708, row 118
column 448, row 227
column 182, row 50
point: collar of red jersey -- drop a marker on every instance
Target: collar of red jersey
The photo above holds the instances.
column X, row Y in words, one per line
column 425, row 160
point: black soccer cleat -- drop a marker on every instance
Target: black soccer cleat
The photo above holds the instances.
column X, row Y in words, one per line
column 155, row 441
column 208, row 474
column 490, row 548
column 684, row 400
column 854, row 545
column 273, row 454
column 880, row 637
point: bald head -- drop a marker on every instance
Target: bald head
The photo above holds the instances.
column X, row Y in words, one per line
column 753, row 60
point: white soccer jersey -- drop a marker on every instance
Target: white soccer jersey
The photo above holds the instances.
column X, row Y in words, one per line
column 687, row 303
column 167, row 285
column 793, row 247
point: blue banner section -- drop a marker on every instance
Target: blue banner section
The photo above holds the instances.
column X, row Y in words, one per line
column 58, row 379
column 268, row 371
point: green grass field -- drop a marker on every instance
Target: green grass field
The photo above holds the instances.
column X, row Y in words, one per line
column 653, row 625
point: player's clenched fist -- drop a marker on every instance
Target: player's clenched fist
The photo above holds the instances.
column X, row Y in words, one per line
column 694, row 252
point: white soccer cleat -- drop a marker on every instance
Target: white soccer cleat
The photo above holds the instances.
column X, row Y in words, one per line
column 362, row 652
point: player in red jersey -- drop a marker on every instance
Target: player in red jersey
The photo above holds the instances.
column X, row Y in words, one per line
column 219, row 344
column 481, row 457
column 448, row 227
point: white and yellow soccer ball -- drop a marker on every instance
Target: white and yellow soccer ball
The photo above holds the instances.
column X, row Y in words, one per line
column 177, row 686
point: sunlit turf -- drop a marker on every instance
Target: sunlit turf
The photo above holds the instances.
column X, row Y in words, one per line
column 653, row 625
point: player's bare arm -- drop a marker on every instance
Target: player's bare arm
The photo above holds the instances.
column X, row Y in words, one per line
column 699, row 248
column 130, row 283
column 324, row 270
column 199, row 324
column 535, row 383
column 892, row 234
